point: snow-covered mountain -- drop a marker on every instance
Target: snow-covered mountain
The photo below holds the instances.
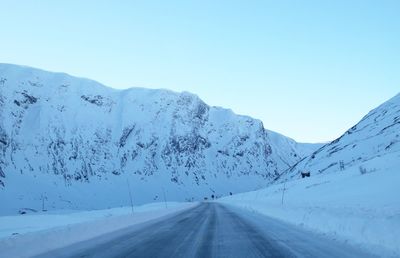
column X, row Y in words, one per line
column 352, row 194
column 372, row 143
column 69, row 142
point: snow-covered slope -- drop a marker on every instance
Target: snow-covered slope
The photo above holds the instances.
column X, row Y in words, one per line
column 375, row 137
column 73, row 143
column 359, row 209
column 352, row 194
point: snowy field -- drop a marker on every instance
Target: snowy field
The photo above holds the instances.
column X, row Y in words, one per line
column 358, row 206
column 25, row 235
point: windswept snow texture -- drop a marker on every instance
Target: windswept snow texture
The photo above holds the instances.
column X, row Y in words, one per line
column 376, row 135
column 73, row 143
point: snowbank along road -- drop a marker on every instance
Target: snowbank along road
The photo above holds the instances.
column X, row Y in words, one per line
column 211, row 230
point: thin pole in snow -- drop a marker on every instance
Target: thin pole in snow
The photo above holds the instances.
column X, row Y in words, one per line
column 42, row 202
column 283, row 191
column 130, row 194
column 165, row 198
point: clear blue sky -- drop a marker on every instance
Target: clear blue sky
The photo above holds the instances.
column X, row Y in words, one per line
column 307, row 69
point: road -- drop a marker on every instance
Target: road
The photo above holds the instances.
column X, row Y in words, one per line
column 212, row 230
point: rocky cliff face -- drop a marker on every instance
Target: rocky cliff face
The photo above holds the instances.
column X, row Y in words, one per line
column 74, row 143
column 374, row 141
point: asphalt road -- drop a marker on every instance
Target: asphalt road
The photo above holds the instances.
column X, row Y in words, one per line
column 212, row 230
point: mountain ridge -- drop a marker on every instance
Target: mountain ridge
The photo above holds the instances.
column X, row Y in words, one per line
column 375, row 136
column 79, row 143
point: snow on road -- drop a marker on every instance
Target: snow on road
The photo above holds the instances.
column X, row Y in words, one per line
column 33, row 234
column 362, row 209
column 211, row 230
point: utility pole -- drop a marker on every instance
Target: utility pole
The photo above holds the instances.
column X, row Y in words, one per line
column 283, row 191
column 130, row 194
column 165, row 198
column 42, row 196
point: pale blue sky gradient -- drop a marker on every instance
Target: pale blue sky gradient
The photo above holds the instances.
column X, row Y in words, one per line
column 307, row 69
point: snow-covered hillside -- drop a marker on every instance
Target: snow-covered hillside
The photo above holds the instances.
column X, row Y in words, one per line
column 73, row 143
column 359, row 209
column 376, row 137
column 352, row 193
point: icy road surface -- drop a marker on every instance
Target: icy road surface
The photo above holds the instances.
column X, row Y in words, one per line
column 211, row 230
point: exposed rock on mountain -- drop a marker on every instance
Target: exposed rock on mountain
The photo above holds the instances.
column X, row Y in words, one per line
column 74, row 143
